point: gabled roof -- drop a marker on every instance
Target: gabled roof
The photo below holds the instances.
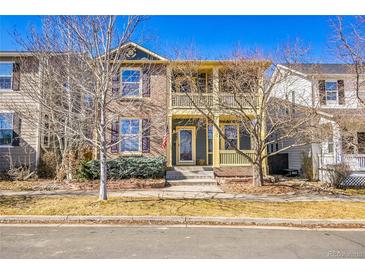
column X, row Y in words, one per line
column 322, row 68
column 143, row 49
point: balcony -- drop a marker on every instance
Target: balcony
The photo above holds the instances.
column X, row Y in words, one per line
column 190, row 100
column 224, row 101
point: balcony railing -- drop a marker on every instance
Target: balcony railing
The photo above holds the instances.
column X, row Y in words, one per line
column 236, row 101
column 226, row 100
column 189, row 100
column 232, row 158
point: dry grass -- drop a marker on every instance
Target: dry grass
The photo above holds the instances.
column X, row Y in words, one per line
column 89, row 205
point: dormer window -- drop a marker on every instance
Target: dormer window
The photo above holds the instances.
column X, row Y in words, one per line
column 6, row 76
column 331, row 91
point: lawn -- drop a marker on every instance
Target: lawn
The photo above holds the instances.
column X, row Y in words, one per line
column 89, row 205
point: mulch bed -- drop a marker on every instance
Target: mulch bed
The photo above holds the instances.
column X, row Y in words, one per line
column 284, row 187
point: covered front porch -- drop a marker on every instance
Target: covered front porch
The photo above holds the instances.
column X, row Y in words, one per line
column 193, row 141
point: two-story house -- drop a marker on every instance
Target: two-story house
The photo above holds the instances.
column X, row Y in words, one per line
column 333, row 90
column 158, row 117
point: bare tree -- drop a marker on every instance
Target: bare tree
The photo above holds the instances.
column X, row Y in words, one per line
column 350, row 44
column 77, row 86
column 247, row 93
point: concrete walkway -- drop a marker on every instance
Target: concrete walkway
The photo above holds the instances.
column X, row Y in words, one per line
column 193, row 192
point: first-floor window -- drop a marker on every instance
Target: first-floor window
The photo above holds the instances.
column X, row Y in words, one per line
column 210, row 138
column 131, row 135
column 6, row 128
column 231, row 133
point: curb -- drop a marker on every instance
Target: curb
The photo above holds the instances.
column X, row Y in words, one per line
column 179, row 220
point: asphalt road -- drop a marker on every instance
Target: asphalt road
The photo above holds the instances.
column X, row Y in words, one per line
column 177, row 242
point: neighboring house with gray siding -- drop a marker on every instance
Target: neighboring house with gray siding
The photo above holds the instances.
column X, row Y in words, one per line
column 331, row 88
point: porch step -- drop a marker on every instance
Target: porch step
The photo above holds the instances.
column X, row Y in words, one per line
column 191, row 182
column 181, row 173
column 191, row 175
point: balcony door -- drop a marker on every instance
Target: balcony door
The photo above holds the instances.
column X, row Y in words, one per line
column 186, row 146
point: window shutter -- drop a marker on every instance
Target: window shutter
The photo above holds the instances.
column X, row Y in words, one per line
column 146, row 139
column 115, row 84
column 17, row 123
column 146, row 83
column 341, row 92
column 16, row 76
column 115, row 137
column 322, row 92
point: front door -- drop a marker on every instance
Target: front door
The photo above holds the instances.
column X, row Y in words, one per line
column 185, row 146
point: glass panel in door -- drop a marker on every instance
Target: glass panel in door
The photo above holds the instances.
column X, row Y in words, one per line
column 186, row 145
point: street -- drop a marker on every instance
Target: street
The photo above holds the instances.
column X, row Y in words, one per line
column 113, row 241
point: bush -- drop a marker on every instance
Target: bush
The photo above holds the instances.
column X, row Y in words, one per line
column 337, row 173
column 124, row 168
column 48, row 165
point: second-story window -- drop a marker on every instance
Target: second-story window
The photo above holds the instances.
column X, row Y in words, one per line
column 131, row 82
column 331, row 91
column 6, row 76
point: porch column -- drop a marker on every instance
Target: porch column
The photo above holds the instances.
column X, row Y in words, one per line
column 216, row 161
column 169, row 142
column 215, row 88
column 337, row 142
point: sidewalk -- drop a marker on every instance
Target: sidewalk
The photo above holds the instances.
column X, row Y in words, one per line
column 193, row 192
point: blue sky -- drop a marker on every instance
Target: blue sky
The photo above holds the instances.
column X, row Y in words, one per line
column 212, row 36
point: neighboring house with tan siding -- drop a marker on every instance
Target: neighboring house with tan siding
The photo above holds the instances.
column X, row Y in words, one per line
column 19, row 137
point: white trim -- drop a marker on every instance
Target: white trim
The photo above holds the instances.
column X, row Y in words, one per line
column 139, row 152
column 140, row 95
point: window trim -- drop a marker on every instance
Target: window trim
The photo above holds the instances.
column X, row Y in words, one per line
column 11, row 79
column 140, row 93
column 12, row 125
column 325, row 90
column 139, row 152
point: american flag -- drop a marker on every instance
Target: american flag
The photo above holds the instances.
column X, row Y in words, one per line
column 165, row 138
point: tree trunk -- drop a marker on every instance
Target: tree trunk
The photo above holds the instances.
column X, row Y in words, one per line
column 258, row 174
column 102, row 151
column 103, row 175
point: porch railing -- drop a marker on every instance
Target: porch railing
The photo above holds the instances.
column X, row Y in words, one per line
column 188, row 100
column 355, row 161
column 232, row 158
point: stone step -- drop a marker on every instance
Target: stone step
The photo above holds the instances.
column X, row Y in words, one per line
column 175, row 175
column 191, row 182
column 192, row 168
